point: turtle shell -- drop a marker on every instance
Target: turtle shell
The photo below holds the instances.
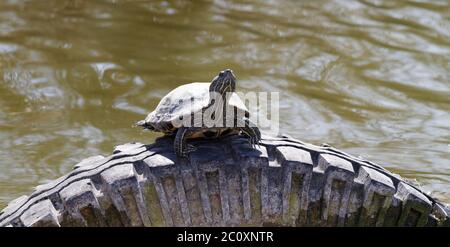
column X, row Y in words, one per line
column 185, row 100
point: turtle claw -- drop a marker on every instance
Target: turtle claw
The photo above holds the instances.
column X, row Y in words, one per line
column 253, row 141
column 190, row 148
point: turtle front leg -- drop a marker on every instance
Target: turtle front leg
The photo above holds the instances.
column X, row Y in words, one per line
column 250, row 130
column 181, row 147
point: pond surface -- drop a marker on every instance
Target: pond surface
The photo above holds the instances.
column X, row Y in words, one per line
column 369, row 77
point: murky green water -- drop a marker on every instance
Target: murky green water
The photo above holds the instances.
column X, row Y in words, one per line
column 369, row 77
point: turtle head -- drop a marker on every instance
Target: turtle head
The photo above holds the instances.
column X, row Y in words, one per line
column 224, row 82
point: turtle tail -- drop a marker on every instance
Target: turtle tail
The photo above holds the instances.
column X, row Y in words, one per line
column 144, row 125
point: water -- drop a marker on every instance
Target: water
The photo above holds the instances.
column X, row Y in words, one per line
column 369, row 77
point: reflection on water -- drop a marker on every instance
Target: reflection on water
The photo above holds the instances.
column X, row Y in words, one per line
column 369, row 77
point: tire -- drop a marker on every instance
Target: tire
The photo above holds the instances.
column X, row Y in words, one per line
column 282, row 182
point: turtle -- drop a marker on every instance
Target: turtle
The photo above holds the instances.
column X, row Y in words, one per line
column 185, row 101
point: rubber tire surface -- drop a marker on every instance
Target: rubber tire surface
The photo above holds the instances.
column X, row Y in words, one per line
column 226, row 182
